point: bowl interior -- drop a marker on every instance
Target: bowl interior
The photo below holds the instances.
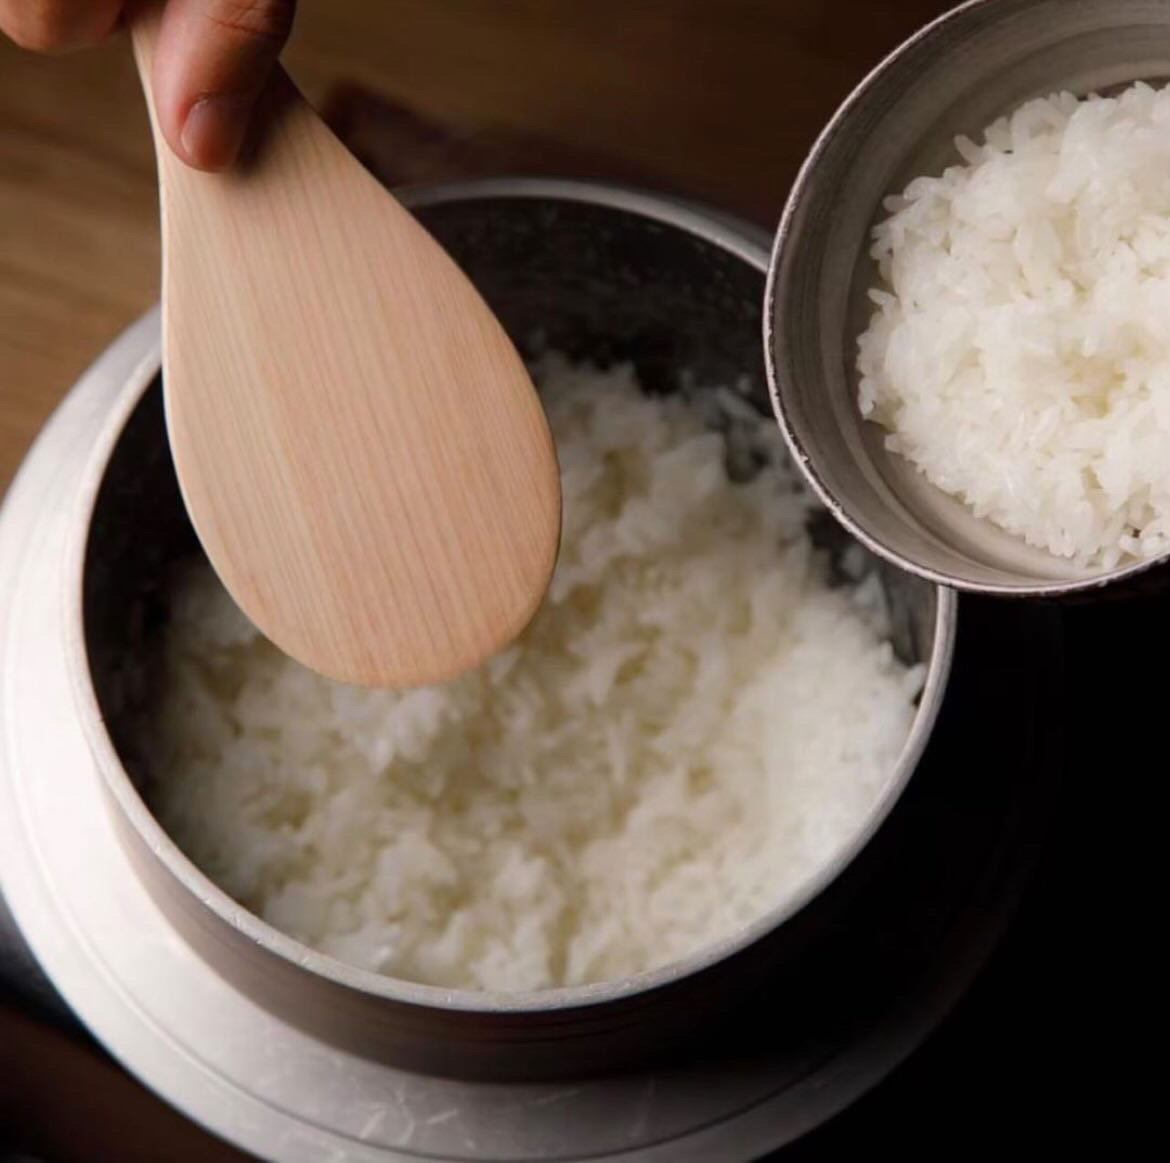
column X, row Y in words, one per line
column 976, row 64
column 589, row 280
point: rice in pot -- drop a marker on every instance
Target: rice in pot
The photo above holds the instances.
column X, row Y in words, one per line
column 690, row 728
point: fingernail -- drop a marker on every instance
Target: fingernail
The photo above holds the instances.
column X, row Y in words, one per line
column 214, row 130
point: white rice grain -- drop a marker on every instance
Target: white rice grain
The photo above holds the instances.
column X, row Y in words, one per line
column 1019, row 353
column 689, row 729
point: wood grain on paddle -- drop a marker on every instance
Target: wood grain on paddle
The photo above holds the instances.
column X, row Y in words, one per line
column 359, row 445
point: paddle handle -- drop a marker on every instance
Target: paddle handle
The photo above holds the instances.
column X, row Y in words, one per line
column 145, row 20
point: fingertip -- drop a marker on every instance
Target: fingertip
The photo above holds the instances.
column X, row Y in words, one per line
column 213, row 130
column 61, row 28
column 212, row 60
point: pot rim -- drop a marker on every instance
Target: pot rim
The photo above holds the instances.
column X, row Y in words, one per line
column 692, row 219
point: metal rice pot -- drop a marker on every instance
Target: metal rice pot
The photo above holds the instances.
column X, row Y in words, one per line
column 234, row 1022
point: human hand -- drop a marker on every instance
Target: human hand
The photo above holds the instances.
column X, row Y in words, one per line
column 210, row 64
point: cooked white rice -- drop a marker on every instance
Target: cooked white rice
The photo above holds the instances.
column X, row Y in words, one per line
column 1020, row 351
column 690, row 728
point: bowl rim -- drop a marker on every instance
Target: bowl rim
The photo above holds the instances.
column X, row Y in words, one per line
column 786, row 238
column 692, row 219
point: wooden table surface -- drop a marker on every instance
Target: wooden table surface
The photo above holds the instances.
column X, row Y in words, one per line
column 718, row 97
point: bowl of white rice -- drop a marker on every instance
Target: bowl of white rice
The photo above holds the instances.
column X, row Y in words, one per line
column 581, row 854
column 967, row 300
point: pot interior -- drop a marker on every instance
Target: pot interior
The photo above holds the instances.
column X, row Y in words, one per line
column 592, row 281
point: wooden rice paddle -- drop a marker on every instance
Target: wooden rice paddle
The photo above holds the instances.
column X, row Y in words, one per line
column 360, row 448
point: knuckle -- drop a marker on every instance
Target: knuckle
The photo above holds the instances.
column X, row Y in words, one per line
column 268, row 20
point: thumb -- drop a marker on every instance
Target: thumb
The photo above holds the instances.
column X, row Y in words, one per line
column 211, row 61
